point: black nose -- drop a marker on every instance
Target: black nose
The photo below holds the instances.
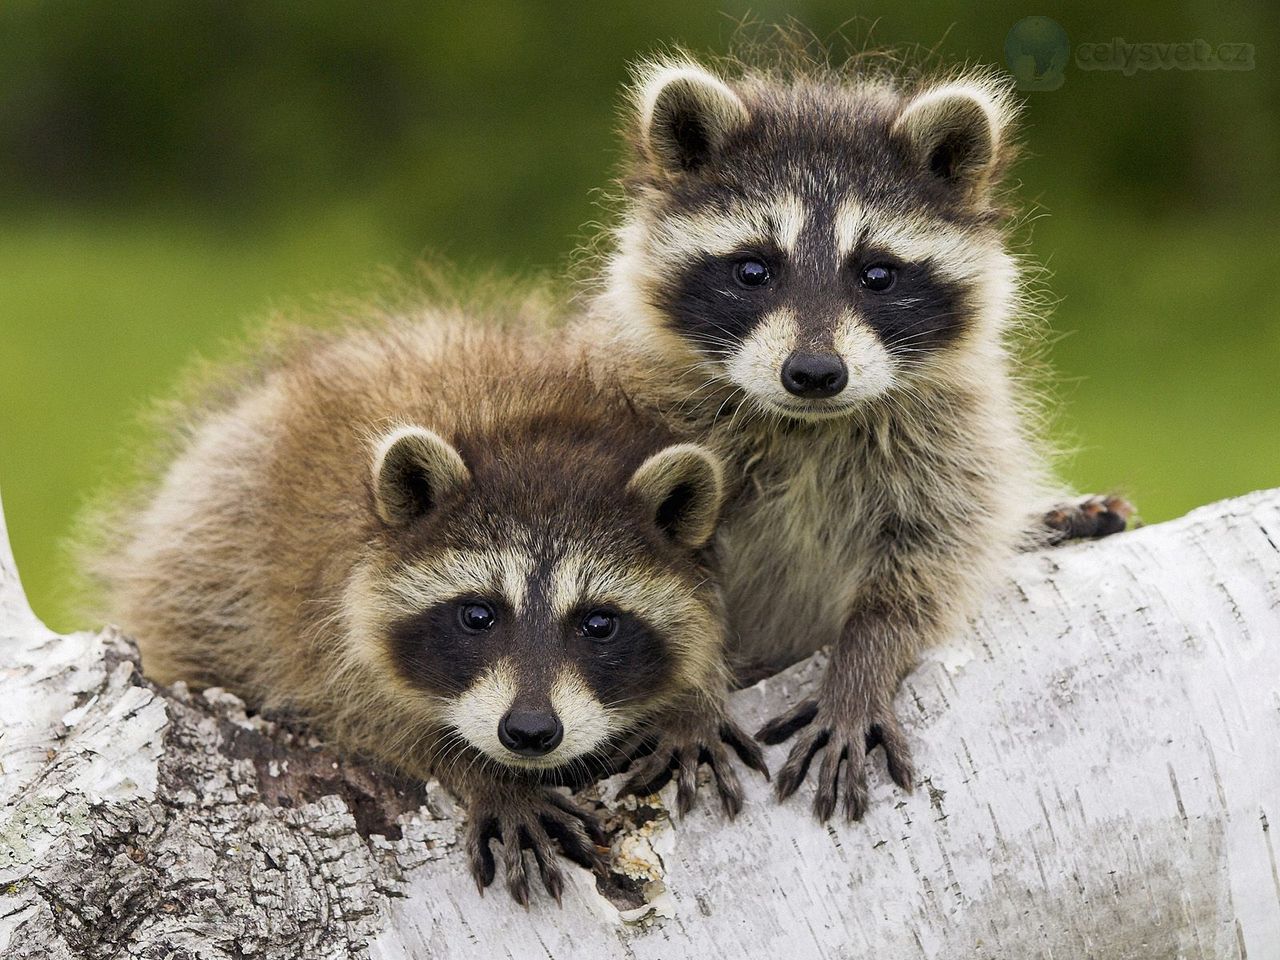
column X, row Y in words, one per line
column 530, row 734
column 814, row 375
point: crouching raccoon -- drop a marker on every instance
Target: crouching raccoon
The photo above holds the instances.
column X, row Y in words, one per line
column 447, row 549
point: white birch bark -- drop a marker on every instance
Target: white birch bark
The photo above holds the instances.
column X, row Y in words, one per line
column 1100, row 777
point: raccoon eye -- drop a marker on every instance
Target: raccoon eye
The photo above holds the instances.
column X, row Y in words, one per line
column 600, row 624
column 878, row 277
column 476, row 617
column 751, row 273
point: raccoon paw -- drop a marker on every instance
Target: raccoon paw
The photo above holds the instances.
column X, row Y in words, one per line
column 682, row 748
column 535, row 819
column 845, row 738
column 1089, row 519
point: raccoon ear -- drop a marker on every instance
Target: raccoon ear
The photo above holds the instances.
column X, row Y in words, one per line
column 686, row 114
column 682, row 487
column 413, row 470
column 954, row 131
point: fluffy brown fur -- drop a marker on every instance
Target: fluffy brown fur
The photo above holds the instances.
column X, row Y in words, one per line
column 325, row 519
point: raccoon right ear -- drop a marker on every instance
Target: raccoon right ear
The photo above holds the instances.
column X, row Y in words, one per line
column 686, row 114
column 683, row 488
column 956, row 130
column 413, row 470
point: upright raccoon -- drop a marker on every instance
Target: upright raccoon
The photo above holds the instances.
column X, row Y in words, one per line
column 811, row 268
column 447, row 549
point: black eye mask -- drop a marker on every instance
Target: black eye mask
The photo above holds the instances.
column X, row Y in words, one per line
column 718, row 300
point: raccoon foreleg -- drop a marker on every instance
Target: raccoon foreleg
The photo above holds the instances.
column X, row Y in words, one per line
column 851, row 714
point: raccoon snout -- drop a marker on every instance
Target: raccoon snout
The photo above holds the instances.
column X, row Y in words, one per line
column 530, row 733
column 814, row 375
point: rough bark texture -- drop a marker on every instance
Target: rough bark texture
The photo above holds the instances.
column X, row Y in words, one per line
column 1100, row 764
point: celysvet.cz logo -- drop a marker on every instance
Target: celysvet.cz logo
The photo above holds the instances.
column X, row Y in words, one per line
column 1129, row 58
column 1038, row 53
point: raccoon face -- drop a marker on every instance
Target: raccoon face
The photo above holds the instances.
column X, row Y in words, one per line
column 535, row 628
column 815, row 245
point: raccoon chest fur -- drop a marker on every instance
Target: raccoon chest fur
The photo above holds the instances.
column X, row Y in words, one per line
column 796, row 546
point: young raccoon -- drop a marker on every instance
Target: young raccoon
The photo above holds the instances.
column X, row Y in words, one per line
column 449, row 550
column 811, row 267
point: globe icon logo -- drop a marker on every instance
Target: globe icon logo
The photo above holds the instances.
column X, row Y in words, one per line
column 1037, row 50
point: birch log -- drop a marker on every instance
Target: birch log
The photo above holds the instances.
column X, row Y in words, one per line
column 1100, row 774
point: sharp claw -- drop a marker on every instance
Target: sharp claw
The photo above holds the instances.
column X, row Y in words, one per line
column 888, row 734
column 731, row 803
column 595, row 831
column 855, row 789
column 594, row 860
column 684, row 799
column 824, row 804
column 544, row 855
column 483, row 866
column 824, row 799
column 757, row 763
column 686, row 780
column 855, row 808
column 727, row 783
column 519, row 892
column 782, row 727
column 901, row 771
column 745, row 747
column 514, row 842
column 783, row 787
column 552, row 878
column 796, row 768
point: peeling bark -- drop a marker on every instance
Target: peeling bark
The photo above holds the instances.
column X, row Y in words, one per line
column 1100, row 773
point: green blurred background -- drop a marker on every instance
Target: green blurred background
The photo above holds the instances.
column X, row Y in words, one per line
column 168, row 170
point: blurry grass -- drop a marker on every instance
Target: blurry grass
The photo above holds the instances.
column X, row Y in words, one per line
column 100, row 317
column 1169, row 356
column 1167, row 369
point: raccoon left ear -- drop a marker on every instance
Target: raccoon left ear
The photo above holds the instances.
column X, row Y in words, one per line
column 413, row 470
column 686, row 114
column 954, row 131
column 682, row 487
